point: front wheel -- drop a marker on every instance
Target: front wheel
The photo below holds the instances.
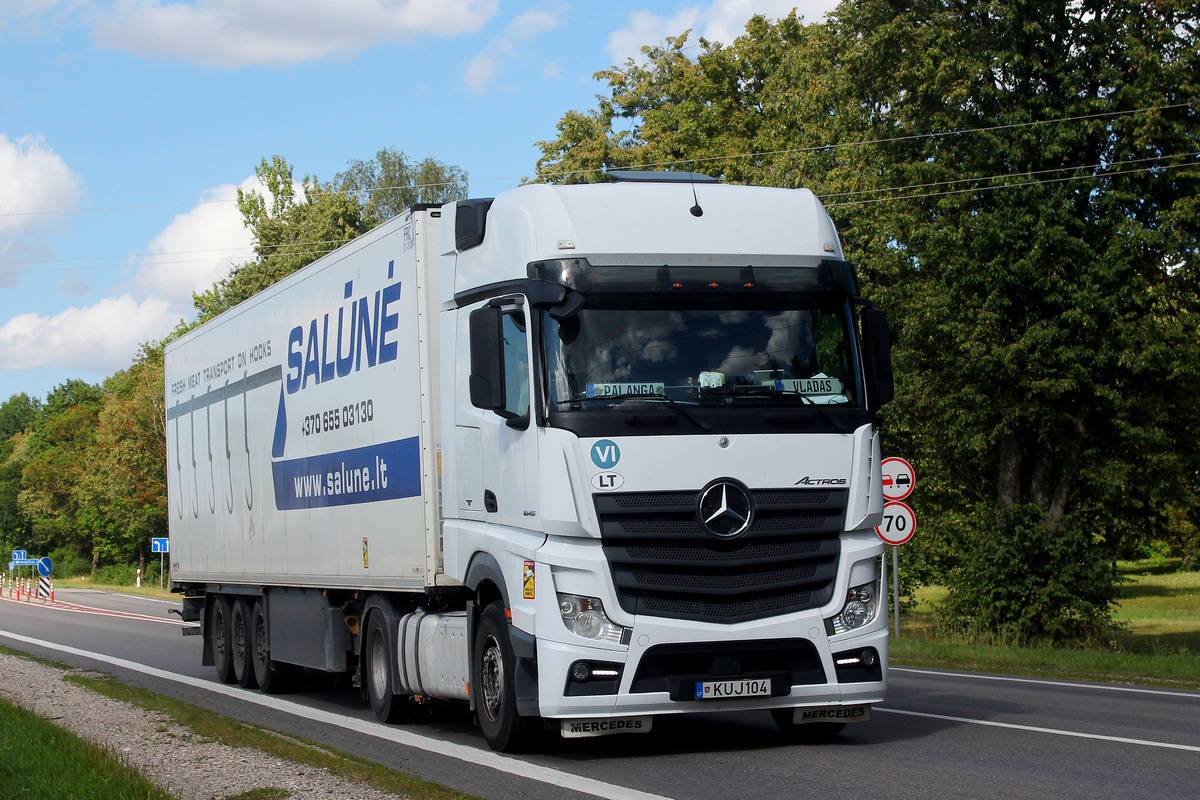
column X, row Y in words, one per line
column 810, row 732
column 494, row 686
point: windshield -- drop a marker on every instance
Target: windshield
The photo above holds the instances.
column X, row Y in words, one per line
column 785, row 351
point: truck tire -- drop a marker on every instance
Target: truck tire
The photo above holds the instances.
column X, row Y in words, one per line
column 808, row 732
column 377, row 664
column 270, row 675
column 219, row 637
column 493, row 686
column 242, row 644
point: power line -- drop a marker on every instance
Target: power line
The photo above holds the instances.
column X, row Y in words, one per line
column 864, row 201
column 677, row 162
column 1103, row 166
column 174, row 262
column 891, row 140
column 171, row 253
column 1007, row 185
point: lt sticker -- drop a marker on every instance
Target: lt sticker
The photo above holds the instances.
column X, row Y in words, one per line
column 527, row 581
column 607, row 481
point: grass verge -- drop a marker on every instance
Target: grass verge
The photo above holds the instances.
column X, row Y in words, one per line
column 228, row 731
column 85, row 582
column 38, row 759
column 1157, row 642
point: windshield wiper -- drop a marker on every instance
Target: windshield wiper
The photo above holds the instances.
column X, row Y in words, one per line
column 770, row 391
column 704, row 426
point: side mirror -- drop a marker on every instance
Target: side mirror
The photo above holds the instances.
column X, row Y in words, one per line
column 877, row 358
column 486, row 381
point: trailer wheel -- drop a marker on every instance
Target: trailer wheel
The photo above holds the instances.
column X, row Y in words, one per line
column 494, row 687
column 220, row 639
column 808, row 732
column 242, row 642
column 377, row 661
column 271, row 676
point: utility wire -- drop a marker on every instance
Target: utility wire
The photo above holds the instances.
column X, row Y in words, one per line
column 1047, row 181
column 862, row 201
column 891, row 140
column 678, row 162
column 1105, row 167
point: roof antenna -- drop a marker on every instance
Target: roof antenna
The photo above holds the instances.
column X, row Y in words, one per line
column 696, row 210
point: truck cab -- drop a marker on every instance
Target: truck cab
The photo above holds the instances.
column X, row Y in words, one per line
column 660, row 471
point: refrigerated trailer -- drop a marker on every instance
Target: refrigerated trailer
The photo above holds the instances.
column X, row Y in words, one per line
column 577, row 456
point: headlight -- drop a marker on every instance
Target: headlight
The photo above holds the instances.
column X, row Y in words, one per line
column 584, row 616
column 859, row 610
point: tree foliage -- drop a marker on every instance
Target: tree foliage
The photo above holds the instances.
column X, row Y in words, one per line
column 390, row 183
column 1018, row 184
column 297, row 223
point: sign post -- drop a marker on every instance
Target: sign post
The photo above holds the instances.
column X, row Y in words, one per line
column 899, row 521
column 162, row 547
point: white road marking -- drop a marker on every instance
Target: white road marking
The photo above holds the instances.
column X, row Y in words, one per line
column 1069, row 684
column 59, row 605
column 485, row 758
column 1035, row 729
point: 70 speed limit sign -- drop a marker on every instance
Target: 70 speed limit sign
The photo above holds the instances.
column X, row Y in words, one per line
column 899, row 523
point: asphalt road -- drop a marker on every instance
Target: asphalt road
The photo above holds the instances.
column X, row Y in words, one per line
column 939, row 735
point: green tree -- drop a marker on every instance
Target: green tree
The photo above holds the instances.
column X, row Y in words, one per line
column 123, row 492
column 295, row 225
column 289, row 232
column 56, row 458
column 390, row 183
column 18, row 415
column 1017, row 184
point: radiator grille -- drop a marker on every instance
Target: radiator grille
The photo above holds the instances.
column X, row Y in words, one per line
column 665, row 565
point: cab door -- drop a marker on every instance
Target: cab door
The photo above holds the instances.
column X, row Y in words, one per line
column 501, row 393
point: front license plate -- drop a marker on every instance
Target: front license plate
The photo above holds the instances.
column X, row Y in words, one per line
column 724, row 690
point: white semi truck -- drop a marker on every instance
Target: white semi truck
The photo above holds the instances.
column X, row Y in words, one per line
column 578, row 456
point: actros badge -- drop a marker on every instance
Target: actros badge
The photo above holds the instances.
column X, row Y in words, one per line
column 726, row 508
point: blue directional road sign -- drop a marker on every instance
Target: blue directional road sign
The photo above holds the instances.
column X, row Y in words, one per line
column 44, row 566
column 160, row 545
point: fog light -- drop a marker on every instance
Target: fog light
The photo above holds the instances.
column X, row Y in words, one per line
column 580, row 671
column 868, row 658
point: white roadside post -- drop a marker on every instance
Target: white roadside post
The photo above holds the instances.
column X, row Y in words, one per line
column 899, row 521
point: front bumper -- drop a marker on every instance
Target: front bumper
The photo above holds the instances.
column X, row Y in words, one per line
column 665, row 658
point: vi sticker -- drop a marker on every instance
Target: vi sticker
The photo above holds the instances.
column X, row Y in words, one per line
column 606, row 454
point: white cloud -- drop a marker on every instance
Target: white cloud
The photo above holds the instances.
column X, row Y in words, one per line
column 100, row 338
column 235, row 33
column 196, row 249
column 35, row 180
column 483, row 70
column 721, row 21
column 648, row 28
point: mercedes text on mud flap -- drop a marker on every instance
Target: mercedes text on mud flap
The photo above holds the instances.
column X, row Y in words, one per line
column 576, row 456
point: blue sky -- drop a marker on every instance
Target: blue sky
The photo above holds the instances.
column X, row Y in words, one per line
column 127, row 125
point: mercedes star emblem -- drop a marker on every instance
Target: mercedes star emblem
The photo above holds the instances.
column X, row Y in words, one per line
column 726, row 508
